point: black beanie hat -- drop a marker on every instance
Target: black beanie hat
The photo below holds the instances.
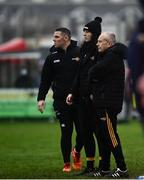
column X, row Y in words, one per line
column 94, row 26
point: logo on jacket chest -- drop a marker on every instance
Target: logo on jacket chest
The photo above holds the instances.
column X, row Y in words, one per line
column 56, row 61
column 92, row 58
column 75, row 58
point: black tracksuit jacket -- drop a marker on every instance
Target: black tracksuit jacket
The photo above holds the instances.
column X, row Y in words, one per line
column 107, row 79
column 81, row 86
column 59, row 71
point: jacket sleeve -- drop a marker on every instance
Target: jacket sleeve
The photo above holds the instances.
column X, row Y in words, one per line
column 46, row 79
column 103, row 67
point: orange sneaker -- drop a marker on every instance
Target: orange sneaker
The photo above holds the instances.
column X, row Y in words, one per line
column 67, row 167
column 77, row 162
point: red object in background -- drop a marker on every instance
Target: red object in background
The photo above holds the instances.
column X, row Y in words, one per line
column 14, row 45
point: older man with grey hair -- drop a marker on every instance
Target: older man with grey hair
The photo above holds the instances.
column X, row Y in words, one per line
column 107, row 81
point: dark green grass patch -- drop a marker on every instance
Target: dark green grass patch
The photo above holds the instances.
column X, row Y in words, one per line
column 32, row 150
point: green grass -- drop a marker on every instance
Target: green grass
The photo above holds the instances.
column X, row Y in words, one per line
column 32, row 150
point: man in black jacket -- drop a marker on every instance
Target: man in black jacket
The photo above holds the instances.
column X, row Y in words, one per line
column 107, row 81
column 59, row 71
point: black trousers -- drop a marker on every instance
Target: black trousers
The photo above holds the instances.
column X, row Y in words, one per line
column 107, row 133
column 90, row 128
column 104, row 149
column 67, row 116
column 86, row 116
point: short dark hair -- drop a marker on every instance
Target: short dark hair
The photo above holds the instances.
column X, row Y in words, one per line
column 64, row 31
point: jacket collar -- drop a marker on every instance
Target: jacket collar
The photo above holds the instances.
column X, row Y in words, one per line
column 118, row 48
column 72, row 45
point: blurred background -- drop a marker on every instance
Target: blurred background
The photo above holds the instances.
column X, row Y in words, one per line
column 29, row 144
column 26, row 32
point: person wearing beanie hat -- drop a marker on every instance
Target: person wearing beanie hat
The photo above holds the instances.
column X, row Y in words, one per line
column 94, row 27
column 81, row 92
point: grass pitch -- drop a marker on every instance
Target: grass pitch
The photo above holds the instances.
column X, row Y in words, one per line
column 32, row 150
